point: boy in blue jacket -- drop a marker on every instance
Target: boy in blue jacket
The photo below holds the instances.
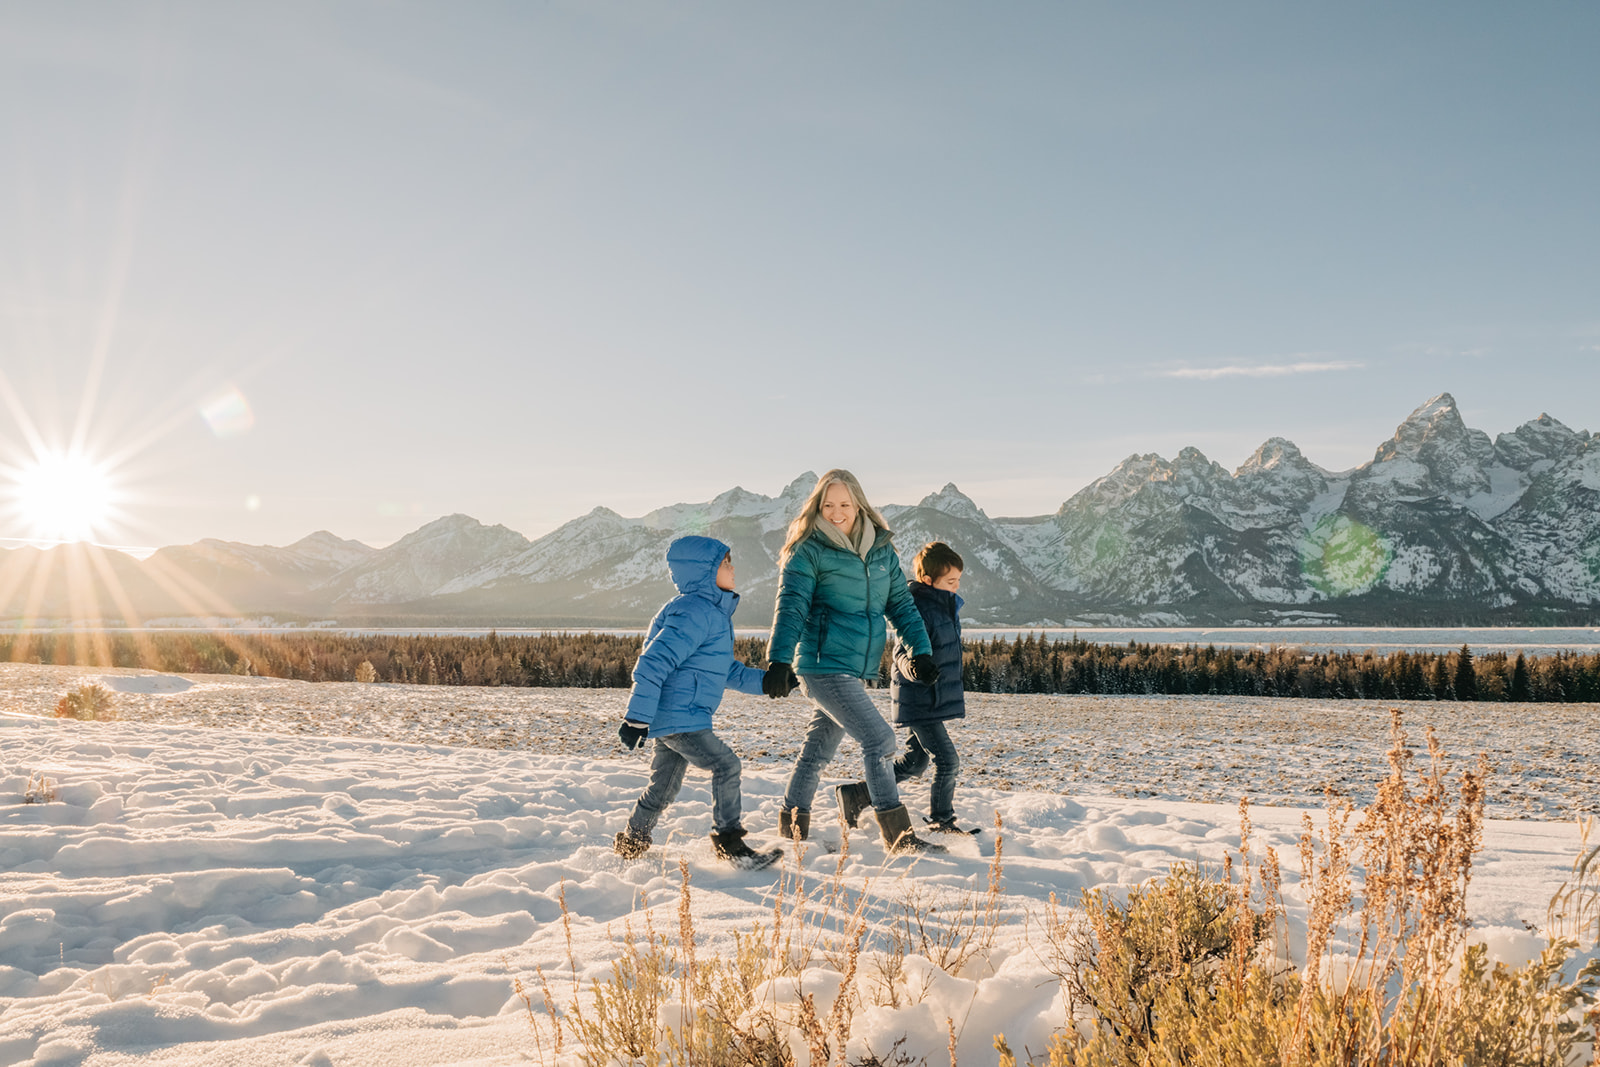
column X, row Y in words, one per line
column 686, row 662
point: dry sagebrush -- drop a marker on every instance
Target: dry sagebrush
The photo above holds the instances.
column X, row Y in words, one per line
column 1177, row 975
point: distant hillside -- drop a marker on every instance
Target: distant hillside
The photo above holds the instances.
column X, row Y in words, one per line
column 1443, row 526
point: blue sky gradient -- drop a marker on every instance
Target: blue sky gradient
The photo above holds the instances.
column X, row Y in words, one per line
column 519, row 260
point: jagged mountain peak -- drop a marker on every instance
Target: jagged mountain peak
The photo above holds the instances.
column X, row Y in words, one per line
column 1432, row 452
column 1274, row 453
column 953, row 501
column 1278, row 471
column 1120, row 484
column 1430, row 421
column 1538, row 440
column 801, row 487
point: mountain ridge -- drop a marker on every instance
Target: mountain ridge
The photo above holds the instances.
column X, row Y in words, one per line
column 1442, row 523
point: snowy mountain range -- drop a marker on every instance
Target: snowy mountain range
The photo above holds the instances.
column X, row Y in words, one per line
column 1443, row 525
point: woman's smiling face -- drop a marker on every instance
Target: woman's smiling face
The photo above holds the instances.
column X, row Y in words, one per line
column 839, row 508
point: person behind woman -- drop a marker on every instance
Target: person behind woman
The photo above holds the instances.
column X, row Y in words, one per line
column 838, row 577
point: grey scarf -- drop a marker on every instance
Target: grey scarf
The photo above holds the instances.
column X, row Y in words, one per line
column 862, row 541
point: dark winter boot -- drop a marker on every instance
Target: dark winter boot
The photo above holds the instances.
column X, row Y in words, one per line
column 729, row 845
column 895, row 825
column 792, row 823
column 628, row 846
column 853, row 800
column 949, row 826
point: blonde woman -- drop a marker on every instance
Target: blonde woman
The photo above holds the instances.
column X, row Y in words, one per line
column 838, row 578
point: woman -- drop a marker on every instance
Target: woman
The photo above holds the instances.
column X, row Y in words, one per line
column 838, row 577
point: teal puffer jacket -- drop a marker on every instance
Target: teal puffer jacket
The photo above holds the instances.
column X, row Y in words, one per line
column 831, row 607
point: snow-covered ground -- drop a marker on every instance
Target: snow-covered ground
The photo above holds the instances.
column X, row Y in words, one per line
column 1546, row 757
column 348, row 874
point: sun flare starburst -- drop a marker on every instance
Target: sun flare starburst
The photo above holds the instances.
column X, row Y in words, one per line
column 64, row 496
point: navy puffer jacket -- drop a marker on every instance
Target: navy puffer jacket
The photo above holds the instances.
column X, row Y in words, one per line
column 914, row 702
column 831, row 607
column 687, row 659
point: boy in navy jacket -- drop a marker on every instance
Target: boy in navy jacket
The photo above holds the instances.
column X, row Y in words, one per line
column 686, row 663
column 925, row 708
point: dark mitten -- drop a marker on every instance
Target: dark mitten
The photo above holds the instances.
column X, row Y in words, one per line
column 779, row 681
column 924, row 670
column 632, row 734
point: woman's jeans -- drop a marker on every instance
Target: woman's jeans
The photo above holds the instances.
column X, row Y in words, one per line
column 932, row 739
column 675, row 754
column 843, row 707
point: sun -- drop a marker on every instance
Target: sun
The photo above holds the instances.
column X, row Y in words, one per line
column 64, row 496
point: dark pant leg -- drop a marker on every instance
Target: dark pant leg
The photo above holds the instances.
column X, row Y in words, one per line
column 667, row 769
column 708, row 752
column 913, row 761
column 936, row 742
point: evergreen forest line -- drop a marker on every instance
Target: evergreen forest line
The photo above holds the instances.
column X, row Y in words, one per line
column 1028, row 664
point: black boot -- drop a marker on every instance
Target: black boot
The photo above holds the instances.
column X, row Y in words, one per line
column 895, row 826
column 794, row 824
column 629, row 847
column 853, row 800
column 729, row 845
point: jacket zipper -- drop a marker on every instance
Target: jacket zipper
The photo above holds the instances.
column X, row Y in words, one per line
column 866, row 575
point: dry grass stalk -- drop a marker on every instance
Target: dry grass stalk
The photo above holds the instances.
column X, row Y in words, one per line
column 39, row 790
column 1574, row 911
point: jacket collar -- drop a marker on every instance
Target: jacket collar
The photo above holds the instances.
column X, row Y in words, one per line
column 924, row 591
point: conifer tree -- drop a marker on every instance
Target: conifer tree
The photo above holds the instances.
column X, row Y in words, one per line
column 1466, row 679
column 1521, row 687
column 1442, row 689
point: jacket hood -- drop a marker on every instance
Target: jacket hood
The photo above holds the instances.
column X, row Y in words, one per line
column 693, row 562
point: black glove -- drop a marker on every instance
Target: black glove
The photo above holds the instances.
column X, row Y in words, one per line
column 924, row 670
column 632, row 734
column 779, row 681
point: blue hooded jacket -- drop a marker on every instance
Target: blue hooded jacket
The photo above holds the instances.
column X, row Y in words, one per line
column 687, row 659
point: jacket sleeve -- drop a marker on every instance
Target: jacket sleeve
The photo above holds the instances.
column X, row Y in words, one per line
column 797, row 583
column 682, row 631
column 745, row 679
column 901, row 608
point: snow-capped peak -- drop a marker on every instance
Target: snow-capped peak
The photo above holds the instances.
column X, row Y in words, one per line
column 1538, row 439
column 953, row 501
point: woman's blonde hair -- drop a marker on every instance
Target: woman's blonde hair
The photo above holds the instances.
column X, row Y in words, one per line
column 801, row 525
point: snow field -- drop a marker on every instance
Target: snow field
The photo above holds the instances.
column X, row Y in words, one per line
column 1545, row 757
column 238, row 896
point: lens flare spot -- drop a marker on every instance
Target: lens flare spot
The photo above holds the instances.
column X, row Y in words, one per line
column 64, row 497
column 1342, row 557
column 228, row 414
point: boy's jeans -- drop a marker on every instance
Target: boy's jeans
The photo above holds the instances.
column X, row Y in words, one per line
column 932, row 739
column 843, row 707
column 675, row 754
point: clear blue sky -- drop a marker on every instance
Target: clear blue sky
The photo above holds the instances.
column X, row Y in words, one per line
column 517, row 260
